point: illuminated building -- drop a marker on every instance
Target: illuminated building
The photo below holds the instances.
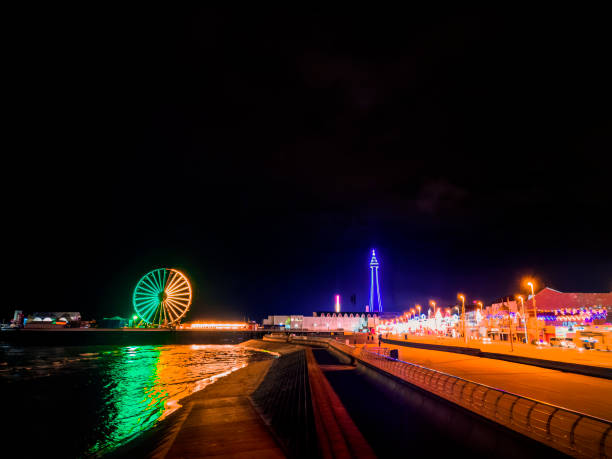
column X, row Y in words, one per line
column 324, row 321
column 53, row 320
column 375, row 299
column 218, row 326
column 549, row 300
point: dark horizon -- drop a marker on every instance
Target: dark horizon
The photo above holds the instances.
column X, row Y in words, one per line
column 266, row 155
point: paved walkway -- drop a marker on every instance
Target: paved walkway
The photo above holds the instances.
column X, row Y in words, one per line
column 576, row 392
column 220, row 421
column 580, row 355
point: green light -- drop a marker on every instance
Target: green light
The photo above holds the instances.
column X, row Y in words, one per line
column 136, row 392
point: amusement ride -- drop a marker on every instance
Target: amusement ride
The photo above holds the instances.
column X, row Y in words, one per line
column 161, row 298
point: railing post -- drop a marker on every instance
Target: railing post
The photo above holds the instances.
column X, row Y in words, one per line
column 602, row 442
column 550, row 416
column 529, row 415
column 572, row 440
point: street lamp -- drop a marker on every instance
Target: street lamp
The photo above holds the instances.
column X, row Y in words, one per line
column 479, row 303
column 535, row 312
column 524, row 316
column 418, row 307
column 433, row 304
column 462, row 298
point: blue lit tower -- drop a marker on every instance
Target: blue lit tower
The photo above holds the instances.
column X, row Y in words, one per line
column 374, row 281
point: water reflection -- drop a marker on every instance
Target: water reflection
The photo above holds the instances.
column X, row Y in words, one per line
column 111, row 394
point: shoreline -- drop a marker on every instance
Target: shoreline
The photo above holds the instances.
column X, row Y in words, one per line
column 241, row 382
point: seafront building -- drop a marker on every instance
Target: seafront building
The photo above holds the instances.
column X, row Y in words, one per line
column 325, row 321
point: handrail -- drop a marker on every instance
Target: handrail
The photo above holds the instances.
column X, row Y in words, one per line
column 499, row 390
column 570, row 431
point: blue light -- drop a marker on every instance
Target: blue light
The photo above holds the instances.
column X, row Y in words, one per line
column 374, row 274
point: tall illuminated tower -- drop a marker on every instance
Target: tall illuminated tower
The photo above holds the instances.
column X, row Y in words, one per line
column 374, row 282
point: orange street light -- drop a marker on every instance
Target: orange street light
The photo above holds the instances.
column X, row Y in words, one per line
column 535, row 311
column 462, row 298
column 479, row 303
column 520, row 297
column 433, row 304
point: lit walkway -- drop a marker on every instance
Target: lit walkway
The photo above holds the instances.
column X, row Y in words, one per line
column 586, row 394
column 584, row 357
column 220, row 421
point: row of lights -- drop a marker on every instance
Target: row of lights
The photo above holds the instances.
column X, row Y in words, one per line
column 461, row 297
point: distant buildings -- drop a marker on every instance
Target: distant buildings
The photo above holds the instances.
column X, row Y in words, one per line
column 550, row 300
column 53, row 320
column 324, row 321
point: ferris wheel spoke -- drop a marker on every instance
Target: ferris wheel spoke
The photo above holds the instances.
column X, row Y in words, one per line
column 180, row 291
column 179, row 303
column 180, row 281
column 151, row 283
column 172, row 305
column 182, row 297
column 144, row 302
column 165, row 279
column 175, row 310
column 146, row 287
column 166, row 313
column 169, row 311
column 173, row 282
column 145, row 296
column 158, row 314
column 179, row 288
column 161, row 312
column 158, row 280
column 145, row 290
column 173, row 314
column 149, row 307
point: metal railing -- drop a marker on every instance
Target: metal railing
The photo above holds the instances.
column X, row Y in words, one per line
column 571, row 432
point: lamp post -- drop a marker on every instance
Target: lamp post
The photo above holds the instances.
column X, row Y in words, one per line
column 524, row 316
column 535, row 312
column 462, row 298
column 432, row 303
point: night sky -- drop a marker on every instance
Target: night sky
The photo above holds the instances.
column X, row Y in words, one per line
column 265, row 153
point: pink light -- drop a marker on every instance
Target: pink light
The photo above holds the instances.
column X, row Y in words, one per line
column 337, row 303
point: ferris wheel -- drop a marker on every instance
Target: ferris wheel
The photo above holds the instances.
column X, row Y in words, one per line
column 162, row 297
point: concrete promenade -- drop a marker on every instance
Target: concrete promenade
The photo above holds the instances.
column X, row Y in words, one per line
column 576, row 392
column 577, row 356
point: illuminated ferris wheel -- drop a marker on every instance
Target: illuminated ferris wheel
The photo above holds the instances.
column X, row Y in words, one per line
column 162, row 297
